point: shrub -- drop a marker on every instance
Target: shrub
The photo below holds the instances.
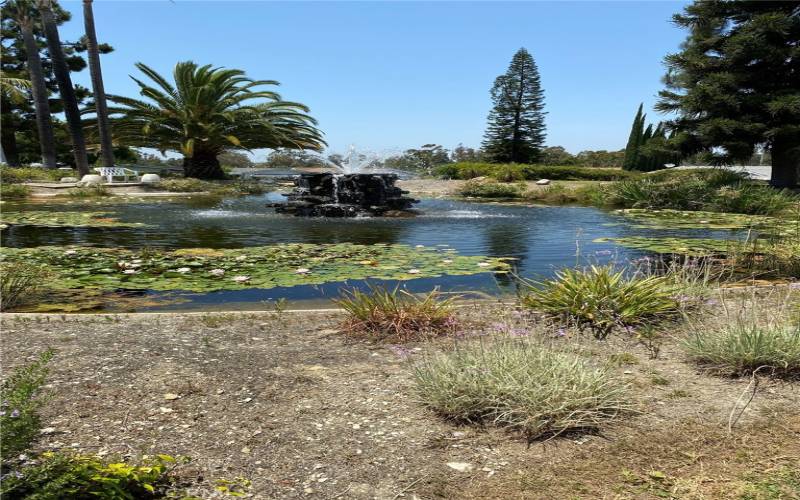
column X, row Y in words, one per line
column 15, row 175
column 396, row 315
column 601, row 298
column 744, row 346
column 185, row 185
column 513, row 172
column 14, row 191
column 19, row 283
column 702, row 189
column 491, row 189
column 97, row 191
column 20, row 400
column 520, row 385
column 59, row 475
column 242, row 187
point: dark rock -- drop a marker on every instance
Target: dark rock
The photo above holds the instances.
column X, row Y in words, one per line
column 345, row 195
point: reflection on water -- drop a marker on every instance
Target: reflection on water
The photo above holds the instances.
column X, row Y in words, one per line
column 540, row 238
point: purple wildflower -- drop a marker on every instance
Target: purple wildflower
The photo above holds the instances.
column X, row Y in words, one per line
column 795, row 285
column 14, row 413
column 561, row 332
column 519, row 332
column 400, row 351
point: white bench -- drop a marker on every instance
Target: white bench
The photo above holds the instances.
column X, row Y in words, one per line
column 110, row 172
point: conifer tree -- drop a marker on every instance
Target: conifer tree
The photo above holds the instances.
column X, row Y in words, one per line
column 516, row 131
column 634, row 141
column 735, row 84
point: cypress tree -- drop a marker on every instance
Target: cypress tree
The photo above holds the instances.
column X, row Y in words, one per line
column 516, row 131
column 634, row 141
column 735, row 84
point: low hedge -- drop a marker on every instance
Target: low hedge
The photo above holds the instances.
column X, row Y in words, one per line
column 510, row 172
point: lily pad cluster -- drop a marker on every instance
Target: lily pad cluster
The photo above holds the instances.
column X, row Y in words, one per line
column 207, row 270
column 681, row 219
column 63, row 219
column 671, row 245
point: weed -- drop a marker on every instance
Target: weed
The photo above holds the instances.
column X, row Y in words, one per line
column 20, row 401
column 19, row 284
column 98, row 191
column 520, row 385
column 396, row 315
column 601, row 298
column 623, row 359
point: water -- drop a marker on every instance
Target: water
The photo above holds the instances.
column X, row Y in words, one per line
column 541, row 238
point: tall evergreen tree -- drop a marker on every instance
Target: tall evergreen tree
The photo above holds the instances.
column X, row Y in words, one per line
column 634, row 141
column 735, row 84
column 516, row 130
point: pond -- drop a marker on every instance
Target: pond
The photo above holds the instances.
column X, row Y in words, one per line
column 539, row 239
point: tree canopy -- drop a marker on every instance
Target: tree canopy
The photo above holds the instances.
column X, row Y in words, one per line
column 207, row 111
column 516, row 129
column 735, row 84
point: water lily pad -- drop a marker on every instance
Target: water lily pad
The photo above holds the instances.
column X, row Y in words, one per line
column 63, row 219
column 683, row 246
column 253, row 267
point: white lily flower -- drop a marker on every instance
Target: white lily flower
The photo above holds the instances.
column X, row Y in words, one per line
column 183, row 270
column 241, row 279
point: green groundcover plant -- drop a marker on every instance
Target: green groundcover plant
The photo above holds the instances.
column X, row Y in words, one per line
column 521, row 385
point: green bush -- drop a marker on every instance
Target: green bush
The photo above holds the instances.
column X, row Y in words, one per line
column 513, row 172
column 520, row 385
column 186, row 185
column 491, row 189
column 20, row 401
column 600, row 298
column 14, row 191
column 701, row 189
column 396, row 315
column 59, row 475
column 243, row 187
column 19, row 283
column 15, row 175
column 97, row 191
column 744, row 346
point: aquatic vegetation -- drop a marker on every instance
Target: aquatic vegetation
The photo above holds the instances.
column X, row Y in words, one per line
column 683, row 219
column 672, row 245
column 601, row 298
column 520, row 385
column 252, row 267
column 396, row 315
column 63, row 218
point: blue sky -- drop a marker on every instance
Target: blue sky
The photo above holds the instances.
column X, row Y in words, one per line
column 393, row 75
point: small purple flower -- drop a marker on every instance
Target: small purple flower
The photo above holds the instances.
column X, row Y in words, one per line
column 561, row 332
column 14, row 413
column 711, row 302
column 400, row 351
column 519, row 332
column 795, row 285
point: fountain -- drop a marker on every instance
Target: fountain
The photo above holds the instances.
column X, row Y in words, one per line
column 356, row 190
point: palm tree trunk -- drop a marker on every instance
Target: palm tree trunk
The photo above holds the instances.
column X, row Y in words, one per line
column 44, row 124
column 65, row 87
column 202, row 165
column 103, row 125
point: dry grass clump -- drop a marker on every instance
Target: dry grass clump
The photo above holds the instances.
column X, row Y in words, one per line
column 520, row 385
column 19, row 284
column 744, row 347
column 396, row 315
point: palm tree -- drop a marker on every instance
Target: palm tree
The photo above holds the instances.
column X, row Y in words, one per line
column 16, row 90
column 103, row 125
column 23, row 14
column 65, row 88
column 208, row 111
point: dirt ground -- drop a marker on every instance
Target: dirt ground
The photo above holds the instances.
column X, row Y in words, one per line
column 286, row 402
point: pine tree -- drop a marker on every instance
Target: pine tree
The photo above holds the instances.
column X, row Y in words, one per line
column 516, row 131
column 735, row 84
column 634, row 141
